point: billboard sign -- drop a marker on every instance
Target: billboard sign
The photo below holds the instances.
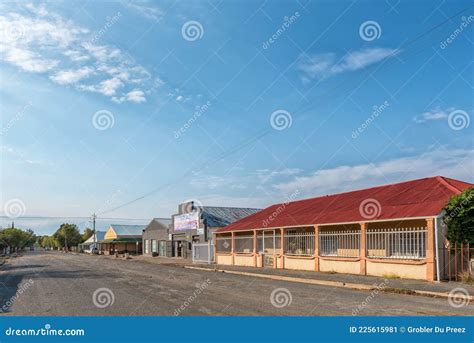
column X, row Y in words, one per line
column 186, row 221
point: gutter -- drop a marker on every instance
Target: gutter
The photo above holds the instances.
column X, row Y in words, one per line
column 437, row 247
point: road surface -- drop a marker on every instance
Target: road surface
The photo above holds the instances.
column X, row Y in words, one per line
column 58, row 284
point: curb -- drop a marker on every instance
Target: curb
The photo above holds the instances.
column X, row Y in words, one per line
column 356, row 286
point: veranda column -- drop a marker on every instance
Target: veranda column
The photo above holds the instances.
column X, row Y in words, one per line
column 430, row 253
column 363, row 248
column 316, row 248
column 232, row 247
column 254, row 248
column 282, row 248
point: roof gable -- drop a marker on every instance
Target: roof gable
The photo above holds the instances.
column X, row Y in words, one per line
column 127, row 230
column 99, row 235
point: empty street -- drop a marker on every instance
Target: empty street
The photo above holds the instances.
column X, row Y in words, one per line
column 58, row 284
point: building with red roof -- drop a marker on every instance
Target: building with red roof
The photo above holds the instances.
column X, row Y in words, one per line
column 383, row 230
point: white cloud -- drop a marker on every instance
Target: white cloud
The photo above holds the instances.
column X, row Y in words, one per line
column 435, row 114
column 179, row 98
column 265, row 175
column 27, row 60
column 66, row 77
column 457, row 164
column 328, row 64
column 136, row 96
column 144, row 8
column 36, row 40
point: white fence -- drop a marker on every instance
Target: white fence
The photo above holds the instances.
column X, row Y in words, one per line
column 203, row 252
column 339, row 243
column 388, row 243
column 243, row 244
column 397, row 243
column 299, row 243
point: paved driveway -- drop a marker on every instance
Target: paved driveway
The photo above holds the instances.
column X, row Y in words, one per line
column 52, row 283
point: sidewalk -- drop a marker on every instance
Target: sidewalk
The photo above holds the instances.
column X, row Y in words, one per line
column 347, row 280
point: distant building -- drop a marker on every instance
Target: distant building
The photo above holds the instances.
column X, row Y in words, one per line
column 156, row 238
column 122, row 239
column 92, row 243
column 194, row 224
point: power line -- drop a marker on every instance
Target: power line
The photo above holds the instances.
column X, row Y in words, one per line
column 203, row 166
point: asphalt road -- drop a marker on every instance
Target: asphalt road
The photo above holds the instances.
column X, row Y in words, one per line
column 52, row 283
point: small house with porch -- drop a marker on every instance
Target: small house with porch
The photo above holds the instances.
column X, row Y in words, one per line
column 122, row 239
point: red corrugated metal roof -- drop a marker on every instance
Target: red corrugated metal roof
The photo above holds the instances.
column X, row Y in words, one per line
column 410, row 199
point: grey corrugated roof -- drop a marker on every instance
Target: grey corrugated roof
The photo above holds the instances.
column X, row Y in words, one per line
column 128, row 230
column 221, row 216
column 164, row 221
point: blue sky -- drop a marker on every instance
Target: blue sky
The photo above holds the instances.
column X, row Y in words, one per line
column 102, row 102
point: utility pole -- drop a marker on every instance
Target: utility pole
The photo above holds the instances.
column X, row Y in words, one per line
column 93, row 232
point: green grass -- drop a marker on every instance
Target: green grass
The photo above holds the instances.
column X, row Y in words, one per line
column 390, row 276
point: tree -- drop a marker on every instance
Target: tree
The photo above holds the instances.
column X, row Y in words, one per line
column 459, row 217
column 67, row 236
column 87, row 234
column 16, row 239
column 48, row 242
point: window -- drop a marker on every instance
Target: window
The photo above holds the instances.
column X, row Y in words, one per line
column 147, row 246
column 154, row 246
